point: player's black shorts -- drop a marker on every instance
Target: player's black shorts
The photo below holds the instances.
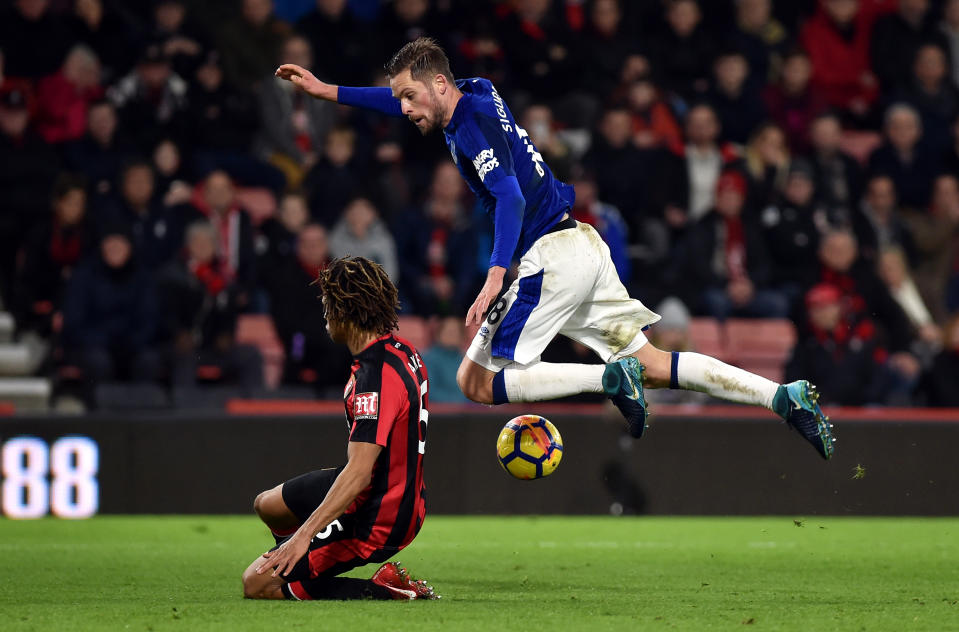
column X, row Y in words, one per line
column 304, row 493
column 336, row 549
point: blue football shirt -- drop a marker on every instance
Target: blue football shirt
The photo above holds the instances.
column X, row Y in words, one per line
column 487, row 145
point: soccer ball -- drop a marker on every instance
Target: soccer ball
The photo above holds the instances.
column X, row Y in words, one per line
column 529, row 447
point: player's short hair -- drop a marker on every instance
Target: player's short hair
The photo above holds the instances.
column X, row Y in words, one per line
column 359, row 293
column 424, row 58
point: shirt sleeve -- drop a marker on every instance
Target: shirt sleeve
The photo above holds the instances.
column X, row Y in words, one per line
column 375, row 411
column 378, row 99
column 487, row 144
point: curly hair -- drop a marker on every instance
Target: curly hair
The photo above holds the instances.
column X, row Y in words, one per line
column 358, row 293
column 424, row 58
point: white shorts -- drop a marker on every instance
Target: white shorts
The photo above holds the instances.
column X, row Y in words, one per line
column 567, row 285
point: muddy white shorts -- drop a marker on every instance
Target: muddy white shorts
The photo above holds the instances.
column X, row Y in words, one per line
column 568, row 285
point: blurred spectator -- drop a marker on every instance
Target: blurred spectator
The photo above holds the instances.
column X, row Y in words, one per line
column 339, row 42
column 607, row 221
column 361, row 233
column 442, row 359
column 277, row 240
column 295, row 125
column 233, row 230
column 151, row 101
column 619, row 166
column 838, row 175
column 761, row 38
column 311, row 357
column 936, row 234
column 172, row 183
column 837, row 39
column 736, row 100
column 949, row 26
column 896, row 38
column 904, row 158
column 608, row 41
column 791, row 103
column 183, row 43
column 894, row 272
column 29, row 168
column 436, row 249
column 654, row 124
column 64, row 98
column 200, row 304
column 402, row 21
column 837, row 352
column 879, row 224
column 687, row 183
column 683, row 51
column 931, row 91
column 48, row 256
column 864, row 298
column 110, row 313
column 726, row 264
column 100, row 153
column 767, row 163
column 223, row 122
column 34, row 39
column 156, row 230
column 943, row 375
column 104, row 30
column 789, row 230
column 250, row 43
column 335, row 180
column 538, row 121
column 671, row 333
column 537, row 43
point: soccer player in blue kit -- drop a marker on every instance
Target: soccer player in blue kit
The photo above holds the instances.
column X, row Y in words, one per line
column 567, row 283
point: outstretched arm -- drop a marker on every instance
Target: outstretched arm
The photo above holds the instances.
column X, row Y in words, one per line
column 379, row 99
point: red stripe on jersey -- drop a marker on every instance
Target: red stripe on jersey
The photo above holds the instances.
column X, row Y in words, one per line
column 324, row 558
column 299, row 592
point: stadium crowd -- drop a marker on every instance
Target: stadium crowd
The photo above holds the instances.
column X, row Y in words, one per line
column 741, row 159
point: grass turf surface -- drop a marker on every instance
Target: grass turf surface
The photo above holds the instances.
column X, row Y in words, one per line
column 507, row 573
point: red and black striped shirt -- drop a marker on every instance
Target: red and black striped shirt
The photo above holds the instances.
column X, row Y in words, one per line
column 387, row 403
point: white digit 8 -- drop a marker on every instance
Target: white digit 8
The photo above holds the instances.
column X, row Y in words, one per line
column 25, row 478
column 74, row 463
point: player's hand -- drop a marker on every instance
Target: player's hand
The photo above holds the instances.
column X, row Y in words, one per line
column 283, row 559
column 491, row 289
column 306, row 81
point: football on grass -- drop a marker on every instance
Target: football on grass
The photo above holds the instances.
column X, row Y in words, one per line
column 529, row 447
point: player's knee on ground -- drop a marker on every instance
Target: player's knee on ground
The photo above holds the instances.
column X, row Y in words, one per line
column 657, row 366
column 475, row 382
column 261, row 586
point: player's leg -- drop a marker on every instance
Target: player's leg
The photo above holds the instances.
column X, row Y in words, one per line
column 274, row 513
column 285, row 507
column 796, row 402
column 502, row 364
column 609, row 310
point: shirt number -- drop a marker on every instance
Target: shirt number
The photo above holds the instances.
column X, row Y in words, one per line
column 535, row 156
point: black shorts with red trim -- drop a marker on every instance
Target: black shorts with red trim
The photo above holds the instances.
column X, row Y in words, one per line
column 334, row 550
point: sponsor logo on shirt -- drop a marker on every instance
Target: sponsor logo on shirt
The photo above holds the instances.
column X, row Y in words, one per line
column 366, row 406
column 484, row 163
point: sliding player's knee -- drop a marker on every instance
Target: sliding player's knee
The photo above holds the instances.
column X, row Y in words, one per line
column 260, row 504
column 263, row 586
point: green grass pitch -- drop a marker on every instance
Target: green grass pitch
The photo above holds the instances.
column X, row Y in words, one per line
column 501, row 573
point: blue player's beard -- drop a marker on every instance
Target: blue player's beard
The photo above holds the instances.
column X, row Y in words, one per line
column 435, row 119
